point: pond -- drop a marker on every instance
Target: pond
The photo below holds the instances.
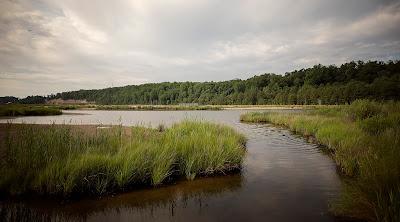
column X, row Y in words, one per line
column 284, row 178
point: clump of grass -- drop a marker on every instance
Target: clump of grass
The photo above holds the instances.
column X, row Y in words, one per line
column 206, row 149
column 380, row 123
column 26, row 110
column 161, row 127
column 67, row 107
column 365, row 147
column 362, row 109
column 255, row 117
column 65, row 160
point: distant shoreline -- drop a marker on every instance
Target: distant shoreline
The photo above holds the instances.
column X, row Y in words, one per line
column 16, row 110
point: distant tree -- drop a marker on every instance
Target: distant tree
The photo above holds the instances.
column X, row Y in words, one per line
column 319, row 84
column 33, row 100
column 8, row 99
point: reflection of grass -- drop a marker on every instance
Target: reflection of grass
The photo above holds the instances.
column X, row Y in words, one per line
column 63, row 160
column 144, row 202
column 27, row 110
column 365, row 139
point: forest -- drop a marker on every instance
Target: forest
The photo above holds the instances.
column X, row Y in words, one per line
column 374, row 80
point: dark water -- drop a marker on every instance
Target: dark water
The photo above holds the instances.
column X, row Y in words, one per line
column 284, row 178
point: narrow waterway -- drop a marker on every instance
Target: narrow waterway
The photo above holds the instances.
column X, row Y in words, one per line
column 284, row 178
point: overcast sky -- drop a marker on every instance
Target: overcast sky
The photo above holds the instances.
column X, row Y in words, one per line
column 51, row 46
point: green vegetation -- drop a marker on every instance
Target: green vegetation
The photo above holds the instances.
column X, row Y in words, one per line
column 155, row 107
column 50, row 109
column 25, row 110
column 365, row 140
column 71, row 160
column 317, row 85
column 64, row 107
column 26, row 100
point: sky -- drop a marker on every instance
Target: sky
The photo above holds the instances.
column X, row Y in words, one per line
column 50, row 46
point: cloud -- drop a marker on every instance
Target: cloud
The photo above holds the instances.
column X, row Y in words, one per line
column 50, row 46
column 379, row 25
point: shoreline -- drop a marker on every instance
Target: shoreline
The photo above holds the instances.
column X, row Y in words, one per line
column 362, row 140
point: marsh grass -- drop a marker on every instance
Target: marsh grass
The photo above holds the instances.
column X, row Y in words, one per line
column 157, row 107
column 67, row 160
column 28, row 110
column 364, row 138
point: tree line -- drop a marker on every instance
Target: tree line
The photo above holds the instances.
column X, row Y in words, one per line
column 317, row 85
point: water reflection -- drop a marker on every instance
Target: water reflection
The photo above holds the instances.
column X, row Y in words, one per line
column 163, row 203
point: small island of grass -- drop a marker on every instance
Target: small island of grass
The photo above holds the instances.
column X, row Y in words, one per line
column 67, row 160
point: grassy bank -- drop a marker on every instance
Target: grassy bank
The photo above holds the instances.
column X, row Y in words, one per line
column 66, row 160
column 28, row 110
column 156, row 107
column 52, row 109
column 365, row 141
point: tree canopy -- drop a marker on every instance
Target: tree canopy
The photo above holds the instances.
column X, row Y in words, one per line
column 317, row 85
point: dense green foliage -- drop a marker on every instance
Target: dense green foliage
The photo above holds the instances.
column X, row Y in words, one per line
column 8, row 99
column 21, row 110
column 365, row 140
column 64, row 160
column 33, row 100
column 26, row 100
column 319, row 84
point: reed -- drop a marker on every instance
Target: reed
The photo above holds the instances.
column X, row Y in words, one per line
column 71, row 160
column 28, row 110
column 156, row 107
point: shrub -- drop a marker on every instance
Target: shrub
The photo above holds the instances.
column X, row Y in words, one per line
column 362, row 109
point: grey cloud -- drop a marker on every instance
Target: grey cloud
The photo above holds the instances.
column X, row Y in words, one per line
column 49, row 46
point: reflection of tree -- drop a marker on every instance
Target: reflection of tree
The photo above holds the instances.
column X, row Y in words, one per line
column 146, row 201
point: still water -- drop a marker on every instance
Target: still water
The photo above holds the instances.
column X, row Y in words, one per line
column 284, row 178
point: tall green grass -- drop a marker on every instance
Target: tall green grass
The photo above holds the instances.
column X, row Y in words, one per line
column 365, row 141
column 65, row 160
column 28, row 110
